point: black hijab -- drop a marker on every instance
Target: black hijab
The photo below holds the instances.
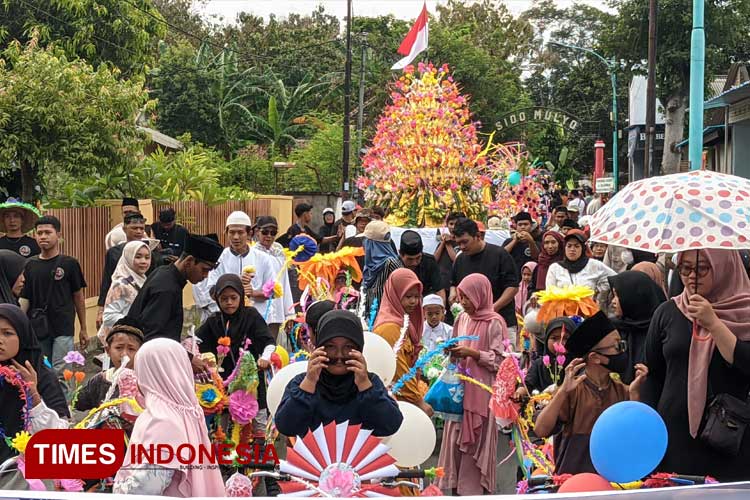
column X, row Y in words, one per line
column 314, row 312
column 47, row 385
column 246, row 322
column 339, row 323
column 575, row 266
column 11, row 267
column 639, row 296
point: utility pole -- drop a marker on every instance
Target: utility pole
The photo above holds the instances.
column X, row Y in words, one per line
column 347, row 99
column 697, row 81
column 649, row 168
column 361, row 106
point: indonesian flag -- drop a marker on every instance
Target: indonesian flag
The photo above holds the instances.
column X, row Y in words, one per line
column 415, row 41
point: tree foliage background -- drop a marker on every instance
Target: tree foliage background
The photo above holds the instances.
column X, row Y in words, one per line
column 250, row 92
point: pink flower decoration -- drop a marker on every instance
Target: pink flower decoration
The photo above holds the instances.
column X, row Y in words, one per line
column 339, row 482
column 559, row 348
column 268, row 288
column 239, row 485
column 242, row 407
column 546, row 360
column 222, row 350
column 560, row 359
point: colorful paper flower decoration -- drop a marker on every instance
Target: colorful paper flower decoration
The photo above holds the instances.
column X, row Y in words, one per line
column 303, row 247
column 338, row 460
column 573, row 300
column 425, row 157
column 75, row 357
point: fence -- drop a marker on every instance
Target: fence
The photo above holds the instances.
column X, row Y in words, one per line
column 83, row 232
column 200, row 218
column 84, row 229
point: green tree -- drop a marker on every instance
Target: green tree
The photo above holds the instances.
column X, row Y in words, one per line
column 572, row 81
column 726, row 41
column 121, row 32
column 318, row 161
column 58, row 115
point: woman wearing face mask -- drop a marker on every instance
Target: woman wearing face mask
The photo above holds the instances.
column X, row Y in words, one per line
column 19, row 350
column 698, row 347
column 468, row 452
column 127, row 280
column 578, row 269
column 635, row 297
column 337, row 386
column 11, row 276
column 381, row 260
column 402, row 296
column 552, row 251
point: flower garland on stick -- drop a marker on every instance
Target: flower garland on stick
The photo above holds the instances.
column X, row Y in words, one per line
column 12, row 377
column 243, row 387
column 425, row 358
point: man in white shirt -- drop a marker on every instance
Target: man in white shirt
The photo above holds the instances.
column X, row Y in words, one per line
column 239, row 255
column 117, row 234
column 283, row 307
column 577, row 202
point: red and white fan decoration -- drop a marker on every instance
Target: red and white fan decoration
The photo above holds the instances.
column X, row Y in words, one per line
column 338, row 460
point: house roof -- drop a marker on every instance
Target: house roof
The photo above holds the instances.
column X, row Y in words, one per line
column 706, row 132
column 161, row 139
column 729, row 97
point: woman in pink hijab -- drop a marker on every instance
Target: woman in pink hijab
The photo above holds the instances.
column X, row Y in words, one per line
column 402, row 296
column 469, row 447
column 172, row 417
column 698, row 347
column 525, row 287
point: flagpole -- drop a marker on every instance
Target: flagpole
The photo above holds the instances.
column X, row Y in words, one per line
column 347, row 101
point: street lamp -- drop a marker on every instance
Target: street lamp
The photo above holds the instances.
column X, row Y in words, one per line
column 611, row 65
column 697, row 77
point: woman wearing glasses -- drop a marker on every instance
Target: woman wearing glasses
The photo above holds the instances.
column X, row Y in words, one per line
column 635, row 297
column 698, row 349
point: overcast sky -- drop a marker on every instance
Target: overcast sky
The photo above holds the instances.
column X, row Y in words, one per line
column 403, row 9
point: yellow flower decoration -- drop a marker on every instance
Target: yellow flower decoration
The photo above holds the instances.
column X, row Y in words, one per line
column 20, row 441
column 573, row 300
column 208, row 396
column 248, row 269
column 277, row 290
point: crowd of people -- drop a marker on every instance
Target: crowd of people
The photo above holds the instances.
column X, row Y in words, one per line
column 675, row 330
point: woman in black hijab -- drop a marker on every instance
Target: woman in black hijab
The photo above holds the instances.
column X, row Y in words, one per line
column 19, row 349
column 635, row 298
column 239, row 323
column 337, row 386
column 11, row 269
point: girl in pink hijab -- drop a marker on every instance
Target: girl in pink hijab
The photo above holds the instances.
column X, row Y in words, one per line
column 525, row 287
column 172, row 417
column 469, row 447
column 698, row 347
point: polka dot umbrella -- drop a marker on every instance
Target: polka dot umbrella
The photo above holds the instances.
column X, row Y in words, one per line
column 678, row 212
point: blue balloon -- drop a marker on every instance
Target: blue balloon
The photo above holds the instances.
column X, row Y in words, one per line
column 514, row 178
column 628, row 442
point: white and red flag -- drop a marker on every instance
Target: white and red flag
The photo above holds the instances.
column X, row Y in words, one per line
column 415, row 41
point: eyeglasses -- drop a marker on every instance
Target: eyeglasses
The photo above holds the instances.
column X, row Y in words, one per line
column 620, row 346
column 686, row 271
column 269, row 232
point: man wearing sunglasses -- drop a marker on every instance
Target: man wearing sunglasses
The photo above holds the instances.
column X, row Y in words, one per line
column 265, row 234
column 595, row 351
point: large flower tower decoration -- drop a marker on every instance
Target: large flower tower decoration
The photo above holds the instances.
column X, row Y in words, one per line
column 425, row 157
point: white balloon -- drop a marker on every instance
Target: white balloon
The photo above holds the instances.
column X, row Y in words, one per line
column 276, row 388
column 415, row 440
column 381, row 360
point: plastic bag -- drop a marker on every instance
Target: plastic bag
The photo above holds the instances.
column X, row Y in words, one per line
column 446, row 396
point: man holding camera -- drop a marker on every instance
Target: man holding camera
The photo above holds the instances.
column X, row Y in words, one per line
column 521, row 245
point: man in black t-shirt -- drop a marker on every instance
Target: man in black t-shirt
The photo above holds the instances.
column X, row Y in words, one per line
column 423, row 265
column 521, row 245
column 171, row 235
column 55, row 283
column 17, row 219
column 303, row 211
column 494, row 262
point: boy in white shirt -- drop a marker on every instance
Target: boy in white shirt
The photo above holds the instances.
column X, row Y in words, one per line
column 435, row 330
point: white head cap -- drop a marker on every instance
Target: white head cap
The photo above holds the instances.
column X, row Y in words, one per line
column 239, row 218
column 432, row 300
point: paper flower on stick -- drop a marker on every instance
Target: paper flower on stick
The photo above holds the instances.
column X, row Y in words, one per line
column 75, row 357
column 573, row 300
column 328, row 265
column 338, row 460
column 243, row 406
column 272, row 289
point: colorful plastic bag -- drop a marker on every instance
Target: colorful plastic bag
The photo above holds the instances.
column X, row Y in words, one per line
column 446, row 396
